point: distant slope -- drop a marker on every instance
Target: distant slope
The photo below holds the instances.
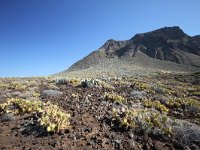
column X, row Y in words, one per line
column 168, row 44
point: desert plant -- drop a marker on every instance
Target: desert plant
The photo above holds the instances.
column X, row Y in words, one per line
column 17, row 86
column 21, row 106
column 53, row 118
column 114, row 97
column 184, row 135
column 156, row 104
column 36, row 94
column 177, row 102
column 3, row 85
column 143, row 119
column 74, row 81
column 49, row 115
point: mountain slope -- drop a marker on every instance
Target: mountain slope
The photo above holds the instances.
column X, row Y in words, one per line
column 168, row 44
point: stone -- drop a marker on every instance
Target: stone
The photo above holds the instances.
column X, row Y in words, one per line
column 160, row 146
column 27, row 94
column 192, row 109
column 51, row 93
column 162, row 99
column 14, row 94
column 138, row 94
column 34, row 89
column 87, row 84
column 7, row 117
column 53, row 87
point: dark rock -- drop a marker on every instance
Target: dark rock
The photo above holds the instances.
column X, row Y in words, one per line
column 87, row 129
column 89, row 83
column 14, row 94
column 192, row 109
column 27, row 94
column 160, row 146
column 162, row 99
column 7, row 117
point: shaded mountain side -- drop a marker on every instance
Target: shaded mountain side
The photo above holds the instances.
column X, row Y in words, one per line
column 196, row 40
column 166, row 44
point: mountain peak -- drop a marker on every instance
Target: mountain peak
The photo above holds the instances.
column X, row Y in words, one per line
column 167, row 44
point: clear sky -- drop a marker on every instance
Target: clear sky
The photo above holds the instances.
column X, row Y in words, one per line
column 42, row 37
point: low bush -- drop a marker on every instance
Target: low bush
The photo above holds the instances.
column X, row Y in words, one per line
column 49, row 115
column 156, row 104
column 114, row 97
column 143, row 119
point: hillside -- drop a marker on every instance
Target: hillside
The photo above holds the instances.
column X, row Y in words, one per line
column 168, row 48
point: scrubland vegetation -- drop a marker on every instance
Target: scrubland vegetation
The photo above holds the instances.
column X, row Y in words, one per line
column 142, row 112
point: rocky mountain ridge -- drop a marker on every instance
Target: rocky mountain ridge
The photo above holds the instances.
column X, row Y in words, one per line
column 167, row 44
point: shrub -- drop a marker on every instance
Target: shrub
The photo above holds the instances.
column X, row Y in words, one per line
column 17, row 86
column 53, row 118
column 184, row 102
column 3, row 85
column 156, row 104
column 50, row 116
column 186, row 134
column 114, row 97
column 143, row 119
column 74, row 82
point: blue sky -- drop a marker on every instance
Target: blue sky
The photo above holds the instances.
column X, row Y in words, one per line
column 42, row 37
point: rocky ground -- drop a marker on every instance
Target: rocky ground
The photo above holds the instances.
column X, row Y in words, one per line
column 160, row 111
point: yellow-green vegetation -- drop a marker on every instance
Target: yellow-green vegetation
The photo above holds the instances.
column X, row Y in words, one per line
column 177, row 102
column 74, row 95
column 114, row 97
column 156, row 104
column 53, row 118
column 195, row 93
column 50, row 115
column 32, row 83
column 141, row 85
column 64, row 80
column 12, row 86
column 17, row 86
column 143, row 119
column 108, row 86
column 194, row 90
column 3, row 85
column 162, row 89
column 74, row 82
column 120, row 82
column 21, row 106
column 36, row 94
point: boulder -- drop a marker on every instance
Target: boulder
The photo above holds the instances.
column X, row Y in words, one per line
column 138, row 94
column 7, row 117
column 51, row 93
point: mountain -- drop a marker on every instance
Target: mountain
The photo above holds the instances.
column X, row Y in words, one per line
column 168, row 45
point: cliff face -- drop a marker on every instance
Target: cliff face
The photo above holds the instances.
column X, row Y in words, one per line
column 167, row 44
